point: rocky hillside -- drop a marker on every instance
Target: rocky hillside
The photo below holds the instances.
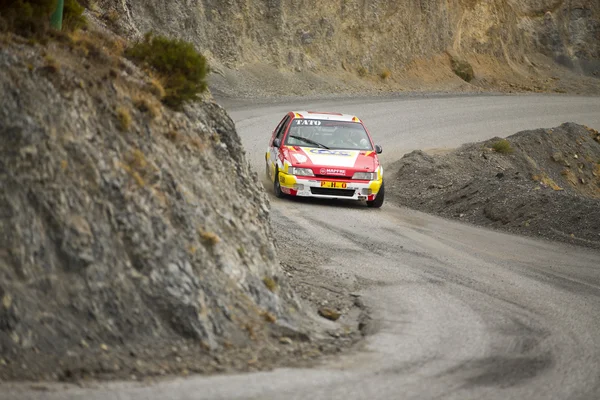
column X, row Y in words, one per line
column 543, row 183
column 134, row 239
column 384, row 43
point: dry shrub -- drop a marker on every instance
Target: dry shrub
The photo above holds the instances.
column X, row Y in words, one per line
column 270, row 283
column 124, row 118
column 145, row 105
column 112, row 16
column 502, row 146
column 208, row 237
column 385, row 74
column 157, row 88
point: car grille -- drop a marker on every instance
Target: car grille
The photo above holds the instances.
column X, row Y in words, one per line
column 332, row 176
column 332, row 192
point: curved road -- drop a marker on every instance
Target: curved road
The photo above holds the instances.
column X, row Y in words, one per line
column 464, row 313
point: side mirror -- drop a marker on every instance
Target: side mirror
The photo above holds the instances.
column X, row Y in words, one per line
column 277, row 142
column 378, row 149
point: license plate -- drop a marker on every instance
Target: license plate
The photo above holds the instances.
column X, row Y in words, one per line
column 337, row 185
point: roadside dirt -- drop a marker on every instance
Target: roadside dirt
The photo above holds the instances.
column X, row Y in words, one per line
column 543, row 183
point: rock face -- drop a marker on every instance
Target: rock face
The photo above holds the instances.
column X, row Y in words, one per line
column 544, row 183
column 116, row 232
column 569, row 32
column 373, row 35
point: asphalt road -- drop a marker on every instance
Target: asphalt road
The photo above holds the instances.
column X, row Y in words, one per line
column 463, row 312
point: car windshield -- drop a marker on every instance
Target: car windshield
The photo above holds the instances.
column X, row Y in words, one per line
column 340, row 135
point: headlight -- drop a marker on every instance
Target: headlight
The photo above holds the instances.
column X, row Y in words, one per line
column 301, row 171
column 366, row 176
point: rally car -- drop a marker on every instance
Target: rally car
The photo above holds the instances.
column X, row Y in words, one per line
column 324, row 155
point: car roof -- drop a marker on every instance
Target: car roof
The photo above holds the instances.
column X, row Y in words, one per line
column 325, row 115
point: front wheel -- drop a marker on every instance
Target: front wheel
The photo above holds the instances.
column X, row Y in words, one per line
column 277, row 186
column 378, row 202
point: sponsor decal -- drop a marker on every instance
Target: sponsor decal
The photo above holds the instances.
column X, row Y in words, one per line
column 311, row 122
column 300, row 157
column 326, row 152
column 332, row 171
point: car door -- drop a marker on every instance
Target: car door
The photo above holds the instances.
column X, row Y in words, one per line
column 273, row 153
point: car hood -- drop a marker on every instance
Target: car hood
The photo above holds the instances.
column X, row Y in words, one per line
column 343, row 163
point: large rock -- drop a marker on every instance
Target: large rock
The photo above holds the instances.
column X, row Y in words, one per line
column 122, row 239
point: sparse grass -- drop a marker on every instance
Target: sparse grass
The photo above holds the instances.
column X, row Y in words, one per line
column 197, row 144
column 181, row 68
column 208, row 237
column 546, row 181
column 134, row 174
column 270, row 283
column 117, row 46
column 124, row 118
column 385, row 74
column 251, row 331
column 92, row 5
column 137, row 160
column 502, row 146
column 138, row 166
column 89, row 45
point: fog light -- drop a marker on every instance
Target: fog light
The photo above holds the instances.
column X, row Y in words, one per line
column 367, row 192
column 299, row 187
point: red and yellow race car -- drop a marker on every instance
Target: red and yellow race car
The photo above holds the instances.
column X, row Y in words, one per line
column 324, row 155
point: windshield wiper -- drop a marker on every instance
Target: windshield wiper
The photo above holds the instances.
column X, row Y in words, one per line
column 310, row 141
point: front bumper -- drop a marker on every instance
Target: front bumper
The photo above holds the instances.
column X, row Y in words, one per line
column 305, row 186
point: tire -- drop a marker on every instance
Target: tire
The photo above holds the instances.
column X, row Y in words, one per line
column 277, row 186
column 378, row 202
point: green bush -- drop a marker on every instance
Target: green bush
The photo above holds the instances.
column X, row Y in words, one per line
column 182, row 70
column 27, row 17
column 462, row 68
column 32, row 17
column 502, row 146
column 73, row 17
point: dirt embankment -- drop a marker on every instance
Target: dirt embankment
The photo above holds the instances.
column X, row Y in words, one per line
column 134, row 240
column 311, row 47
column 544, row 183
